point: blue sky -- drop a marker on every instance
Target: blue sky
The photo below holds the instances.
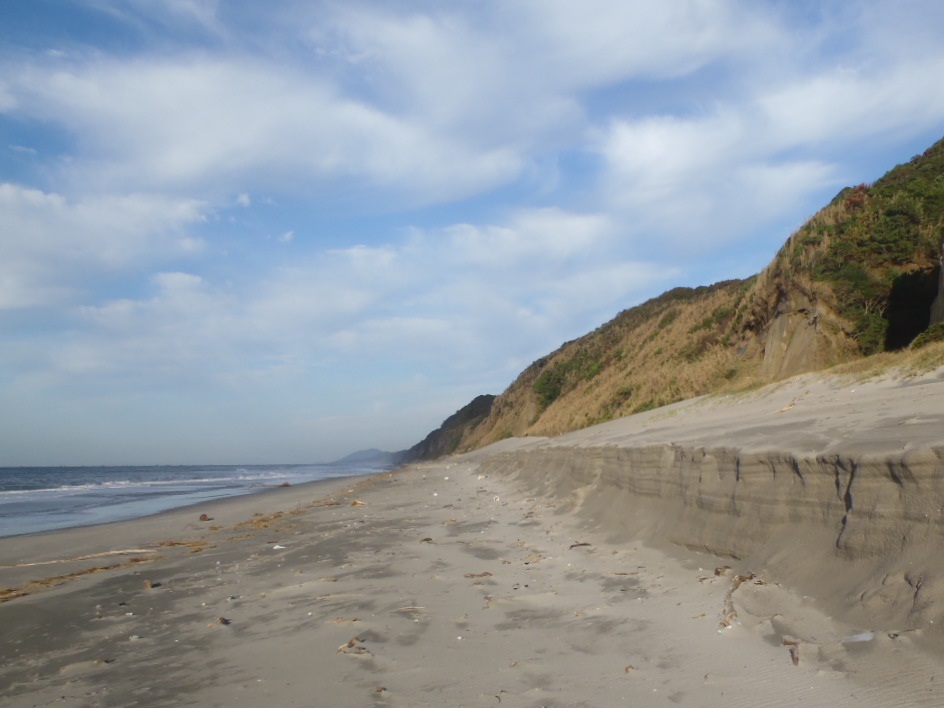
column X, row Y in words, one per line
column 237, row 232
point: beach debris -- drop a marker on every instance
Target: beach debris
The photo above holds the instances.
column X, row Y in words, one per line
column 794, row 648
column 204, row 517
column 124, row 552
column 729, row 614
column 262, row 521
column 428, row 539
column 485, row 574
column 722, row 570
column 7, row 594
column 580, row 544
column 358, row 502
column 148, row 584
column 629, row 669
column 787, row 407
column 355, row 645
column 193, row 545
column 279, row 547
column 411, row 608
column 224, row 621
column 286, row 484
column 860, row 637
column 342, row 620
column 135, row 638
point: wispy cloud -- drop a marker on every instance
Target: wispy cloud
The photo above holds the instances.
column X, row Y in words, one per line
column 332, row 210
column 54, row 249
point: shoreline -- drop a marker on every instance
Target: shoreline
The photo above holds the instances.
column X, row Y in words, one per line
column 47, row 547
column 251, row 492
column 537, row 572
column 149, row 504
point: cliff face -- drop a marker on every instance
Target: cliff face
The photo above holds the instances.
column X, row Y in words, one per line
column 452, row 433
column 831, row 487
column 877, row 521
column 937, row 308
column 862, row 276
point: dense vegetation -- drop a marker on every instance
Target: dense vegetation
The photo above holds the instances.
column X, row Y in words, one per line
column 858, row 278
column 878, row 247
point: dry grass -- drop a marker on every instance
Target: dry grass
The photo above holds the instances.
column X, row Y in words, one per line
column 680, row 348
column 908, row 362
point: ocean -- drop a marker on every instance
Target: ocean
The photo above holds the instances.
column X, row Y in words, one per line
column 34, row 499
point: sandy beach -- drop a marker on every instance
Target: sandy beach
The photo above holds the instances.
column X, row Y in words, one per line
column 482, row 580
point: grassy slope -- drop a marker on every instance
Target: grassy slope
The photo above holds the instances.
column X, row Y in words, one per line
column 857, row 279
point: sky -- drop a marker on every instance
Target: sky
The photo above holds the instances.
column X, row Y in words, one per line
column 241, row 232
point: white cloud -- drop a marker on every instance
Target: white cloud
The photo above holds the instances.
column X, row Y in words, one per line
column 428, row 298
column 367, row 261
column 608, row 41
column 8, row 101
column 442, row 103
column 203, row 123
column 846, row 105
column 580, row 158
column 530, row 238
column 53, row 245
column 169, row 13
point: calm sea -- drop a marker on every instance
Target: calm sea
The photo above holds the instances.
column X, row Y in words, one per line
column 36, row 499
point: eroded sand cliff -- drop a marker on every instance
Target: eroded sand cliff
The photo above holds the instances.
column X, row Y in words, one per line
column 831, row 485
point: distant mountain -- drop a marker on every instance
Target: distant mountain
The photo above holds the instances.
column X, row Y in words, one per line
column 862, row 276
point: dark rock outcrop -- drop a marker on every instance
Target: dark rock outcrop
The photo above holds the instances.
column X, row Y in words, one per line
column 446, row 439
column 937, row 309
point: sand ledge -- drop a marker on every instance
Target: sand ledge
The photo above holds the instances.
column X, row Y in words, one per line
column 831, row 485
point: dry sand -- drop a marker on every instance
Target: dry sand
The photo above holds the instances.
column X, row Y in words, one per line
column 475, row 581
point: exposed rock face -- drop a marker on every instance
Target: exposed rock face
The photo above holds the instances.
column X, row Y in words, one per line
column 937, row 309
column 790, row 341
column 793, row 321
column 449, row 436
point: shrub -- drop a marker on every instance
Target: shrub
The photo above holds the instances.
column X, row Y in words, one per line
column 934, row 333
column 548, row 386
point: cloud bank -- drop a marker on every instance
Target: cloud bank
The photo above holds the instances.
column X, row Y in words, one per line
column 245, row 233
